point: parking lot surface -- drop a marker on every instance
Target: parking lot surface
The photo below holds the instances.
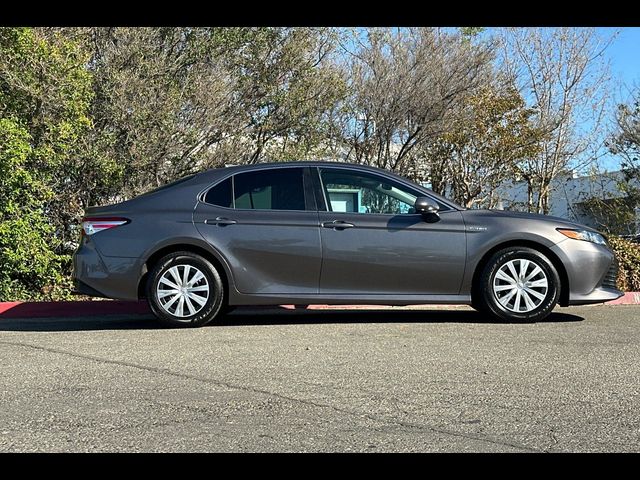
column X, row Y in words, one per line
column 392, row 380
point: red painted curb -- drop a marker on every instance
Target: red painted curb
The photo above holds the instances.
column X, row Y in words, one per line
column 71, row 309
column 629, row 298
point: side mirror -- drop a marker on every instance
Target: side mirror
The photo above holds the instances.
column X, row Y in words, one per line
column 425, row 206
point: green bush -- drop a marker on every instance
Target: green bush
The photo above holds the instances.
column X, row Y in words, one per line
column 628, row 256
column 44, row 99
column 29, row 266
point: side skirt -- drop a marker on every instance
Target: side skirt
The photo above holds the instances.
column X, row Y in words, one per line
column 338, row 299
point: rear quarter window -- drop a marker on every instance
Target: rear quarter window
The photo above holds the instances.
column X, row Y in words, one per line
column 221, row 194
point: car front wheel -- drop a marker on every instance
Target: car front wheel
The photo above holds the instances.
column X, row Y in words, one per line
column 519, row 284
column 185, row 289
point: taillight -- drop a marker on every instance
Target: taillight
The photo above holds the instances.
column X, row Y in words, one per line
column 91, row 225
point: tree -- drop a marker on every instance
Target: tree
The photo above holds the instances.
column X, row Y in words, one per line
column 162, row 98
column 44, row 97
column 482, row 150
column 564, row 77
column 287, row 86
column 621, row 214
column 174, row 100
column 625, row 141
column 404, row 88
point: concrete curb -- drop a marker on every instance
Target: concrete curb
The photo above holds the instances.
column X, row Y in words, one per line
column 122, row 307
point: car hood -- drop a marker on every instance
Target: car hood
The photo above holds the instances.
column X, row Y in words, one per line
column 525, row 216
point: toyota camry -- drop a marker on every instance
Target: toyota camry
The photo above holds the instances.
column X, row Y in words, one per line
column 332, row 233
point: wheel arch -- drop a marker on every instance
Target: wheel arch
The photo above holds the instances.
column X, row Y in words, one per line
column 159, row 253
column 555, row 260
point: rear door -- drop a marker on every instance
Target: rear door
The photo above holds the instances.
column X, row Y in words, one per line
column 265, row 223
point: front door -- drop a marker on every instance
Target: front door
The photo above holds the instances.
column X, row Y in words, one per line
column 373, row 243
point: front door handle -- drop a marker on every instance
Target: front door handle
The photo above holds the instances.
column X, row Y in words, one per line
column 337, row 225
column 221, row 221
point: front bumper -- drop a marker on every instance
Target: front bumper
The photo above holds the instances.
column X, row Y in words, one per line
column 591, row 271
column 599, row 295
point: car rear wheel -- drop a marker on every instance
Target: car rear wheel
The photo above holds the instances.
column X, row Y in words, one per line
column 185, row 290
column 519, row 284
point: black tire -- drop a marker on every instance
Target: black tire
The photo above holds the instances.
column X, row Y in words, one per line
column 486, row 297
column 203, row 314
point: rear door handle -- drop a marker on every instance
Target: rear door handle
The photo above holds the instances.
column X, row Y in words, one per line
column 221, row 221
column 337, row 225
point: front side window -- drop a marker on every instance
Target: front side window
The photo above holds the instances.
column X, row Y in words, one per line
column 360, row 192
column 274, row 189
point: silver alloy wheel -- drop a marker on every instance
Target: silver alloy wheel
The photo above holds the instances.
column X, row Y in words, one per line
column 183, row 290
column 520, row 285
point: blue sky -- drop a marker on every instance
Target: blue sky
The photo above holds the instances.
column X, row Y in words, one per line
column 624, row 56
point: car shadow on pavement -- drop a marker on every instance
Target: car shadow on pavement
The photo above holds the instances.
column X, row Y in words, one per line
column 335, row 315
column 71, row 324
column 251, row 317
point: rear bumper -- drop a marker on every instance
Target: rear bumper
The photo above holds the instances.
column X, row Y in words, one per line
column 98, row 275
column 81, row 288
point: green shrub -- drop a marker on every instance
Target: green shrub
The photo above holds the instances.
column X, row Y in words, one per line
column 44, row 98
column 29, row 266
column 628, row 256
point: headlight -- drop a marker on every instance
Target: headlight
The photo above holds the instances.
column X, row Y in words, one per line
column 585, row 235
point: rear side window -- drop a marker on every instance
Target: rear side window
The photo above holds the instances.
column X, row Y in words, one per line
column 276, row 189
column 221, row 194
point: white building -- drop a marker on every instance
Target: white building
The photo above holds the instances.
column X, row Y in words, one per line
column 568, row 194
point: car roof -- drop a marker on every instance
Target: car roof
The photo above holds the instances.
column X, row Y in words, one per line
column 297, row 163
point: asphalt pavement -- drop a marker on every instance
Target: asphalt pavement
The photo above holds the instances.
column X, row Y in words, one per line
column 383, row 380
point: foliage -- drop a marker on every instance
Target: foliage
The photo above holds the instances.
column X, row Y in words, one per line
column 614, row 215
column 44, row 95
column 625, row 143
column 626, row 140
column 287, row 88
column 172, row 101
column 471, row 32
column 28, row 263
column 628, row 256
column 159, row 102
column 565, row 76
column 405, row 86
column 480, row 152
column 94, row 115
column 618, row 215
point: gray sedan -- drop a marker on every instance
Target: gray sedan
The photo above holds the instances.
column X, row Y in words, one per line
column 332, row 233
